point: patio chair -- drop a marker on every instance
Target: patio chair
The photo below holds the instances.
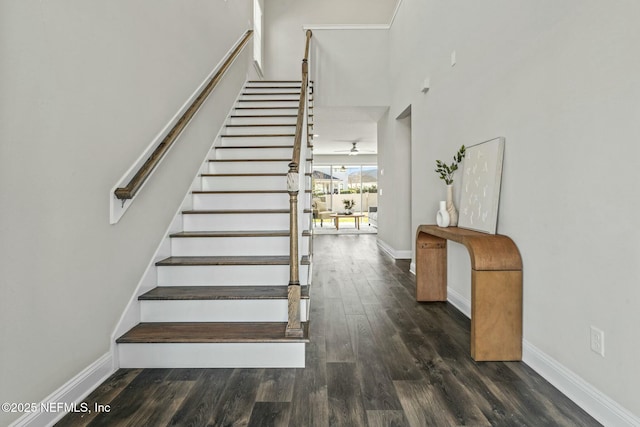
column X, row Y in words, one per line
column 320, row 211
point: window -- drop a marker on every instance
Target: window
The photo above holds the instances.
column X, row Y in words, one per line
column 257, row 35
column 336, row 183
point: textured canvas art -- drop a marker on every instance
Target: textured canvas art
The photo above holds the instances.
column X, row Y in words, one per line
column 480, row 192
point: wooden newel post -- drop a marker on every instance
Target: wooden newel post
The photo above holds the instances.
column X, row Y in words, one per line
column 294, row 327
column 294, row 324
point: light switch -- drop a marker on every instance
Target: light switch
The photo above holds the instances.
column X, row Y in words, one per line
column 453, row 58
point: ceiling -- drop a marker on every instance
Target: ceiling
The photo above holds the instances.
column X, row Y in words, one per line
column 338, row 127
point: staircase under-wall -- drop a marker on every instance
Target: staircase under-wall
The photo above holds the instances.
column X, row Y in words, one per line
column 221, row 297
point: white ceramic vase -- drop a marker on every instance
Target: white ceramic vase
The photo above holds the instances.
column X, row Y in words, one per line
column 453, row 213
column 442, row 217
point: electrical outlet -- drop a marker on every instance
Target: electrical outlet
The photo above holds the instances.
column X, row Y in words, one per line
column 597, row 341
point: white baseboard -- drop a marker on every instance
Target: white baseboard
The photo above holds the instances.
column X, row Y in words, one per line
column 589, row 398
column 412, row 268
column 258, row 70
column 459, row 301
column 394, row 253
column 583, row 394
column 70, row 393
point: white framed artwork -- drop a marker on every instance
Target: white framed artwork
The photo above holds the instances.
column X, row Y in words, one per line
column 480, row 192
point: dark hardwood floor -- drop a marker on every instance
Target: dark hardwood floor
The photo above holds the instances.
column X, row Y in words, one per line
column 376, row 358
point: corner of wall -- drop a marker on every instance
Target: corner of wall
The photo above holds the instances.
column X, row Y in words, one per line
column 394, row 253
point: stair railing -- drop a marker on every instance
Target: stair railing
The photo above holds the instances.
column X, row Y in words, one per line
column 295, row 180
column 135, row 183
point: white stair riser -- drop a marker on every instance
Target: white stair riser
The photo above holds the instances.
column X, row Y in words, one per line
column 253, row 153
column 289, row 97
column 268, row 104
column 291, row 90
column 238, row 222
column 233, row 246
column 236, row 141
column 217, row 201
column 274, row 87
column 263, row 120
column 258, row 310
column 264, row 111
column 240, row 275
column 217, row 355
column 235, row 222
column 249, row 167
column 241, row 183
column 260, row 130
column 263, row 83
column 229, row 183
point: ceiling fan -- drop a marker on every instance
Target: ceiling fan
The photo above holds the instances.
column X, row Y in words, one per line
column 354, row 151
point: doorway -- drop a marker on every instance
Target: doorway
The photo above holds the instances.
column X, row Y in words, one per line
column 345, row 198
column 404, row 199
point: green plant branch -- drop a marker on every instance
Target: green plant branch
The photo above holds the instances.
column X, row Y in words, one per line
column 349, row 204
column 446, row 171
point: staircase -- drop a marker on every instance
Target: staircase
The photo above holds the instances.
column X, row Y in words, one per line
column 221, row 297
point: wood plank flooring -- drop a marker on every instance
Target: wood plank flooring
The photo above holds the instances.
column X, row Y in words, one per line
column 376, row 358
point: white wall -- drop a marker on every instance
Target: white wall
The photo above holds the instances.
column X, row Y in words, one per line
column 338, row 159
column 85, row 87
column 394, row 185
column 350, row 67
column 558, row 81
column 284, row 37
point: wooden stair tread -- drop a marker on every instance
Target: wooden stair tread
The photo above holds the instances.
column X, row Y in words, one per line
column 238, row 191
column 235, row 211
column 268, row 100
column 273, row 87
column 254, row 147
column 247, row 174
column 242, row 233
column 242, row 174
column 270, row 93
column 293, row 107
column 238, row 211
column 262, row 125
column 253, row 160
column 243, row 191
column 173, row 293
column 210, row 332
column 228, row 260
column 275, row 81
column 239, row 233
column 265, row 115
column 259, row 135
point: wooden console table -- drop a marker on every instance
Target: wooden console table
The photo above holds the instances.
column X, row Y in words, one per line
column 496, row 286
